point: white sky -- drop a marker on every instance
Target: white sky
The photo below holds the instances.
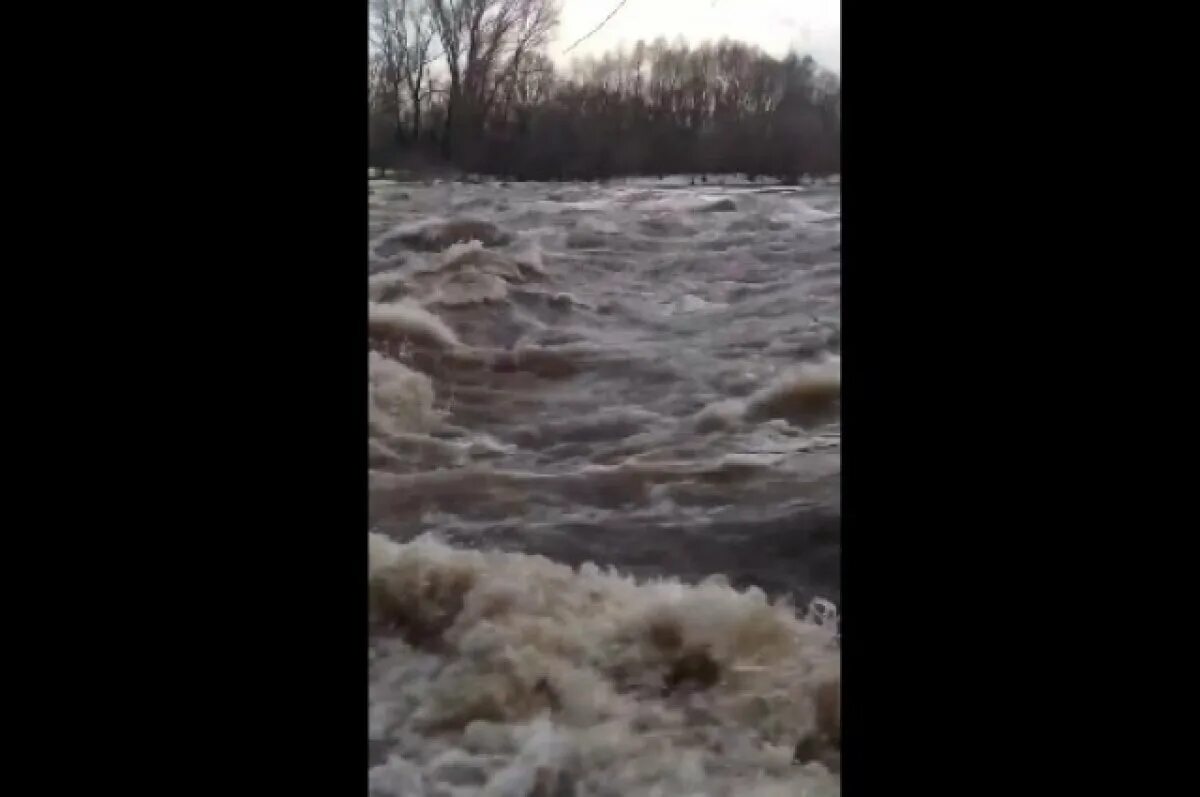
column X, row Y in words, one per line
column 813, row 27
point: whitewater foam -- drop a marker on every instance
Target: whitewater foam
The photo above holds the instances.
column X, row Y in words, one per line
column 384, row 284
column 506, row 674
column 407, row 320
column 435, row 236
column 617, row 376
column 401, row 400
column 805, row 394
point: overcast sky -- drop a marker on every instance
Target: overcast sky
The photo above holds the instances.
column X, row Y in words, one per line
column 811, row 26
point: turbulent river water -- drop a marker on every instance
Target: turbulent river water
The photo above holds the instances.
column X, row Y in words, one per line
column 604, row 455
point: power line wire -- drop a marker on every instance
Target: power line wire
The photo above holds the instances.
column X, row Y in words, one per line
column 611, row 14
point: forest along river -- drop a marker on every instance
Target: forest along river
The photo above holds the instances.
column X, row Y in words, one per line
column 604, row 455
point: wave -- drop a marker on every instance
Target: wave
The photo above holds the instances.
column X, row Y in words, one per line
column 462, row 274
column 437, row 235
column 519, row 410
column 406, row 320
column 503, row 673
column 401, row 400
column 806, row 394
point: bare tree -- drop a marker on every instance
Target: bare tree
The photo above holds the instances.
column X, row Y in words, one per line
column 534, row 20
column 484, row 43
column 420, row 30
column 659, row 108
column 390, row 39
column 447, row 20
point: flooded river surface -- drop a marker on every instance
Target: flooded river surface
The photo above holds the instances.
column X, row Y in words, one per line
column 604, row 456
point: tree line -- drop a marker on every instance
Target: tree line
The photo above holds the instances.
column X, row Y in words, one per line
column 471, row 83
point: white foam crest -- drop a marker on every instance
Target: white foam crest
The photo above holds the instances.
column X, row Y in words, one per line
column 723, row 414
column 407, row 319
column 409, row 229
column 464, row 273
column 542, row 678
column 599, row 225
column 469, row 287
column 378, row 284
column 400, row 399
column 810, row 390
column 530, row 257
column 514, row 267
column 459, row 251
column 801, row 211
column 691, row 303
